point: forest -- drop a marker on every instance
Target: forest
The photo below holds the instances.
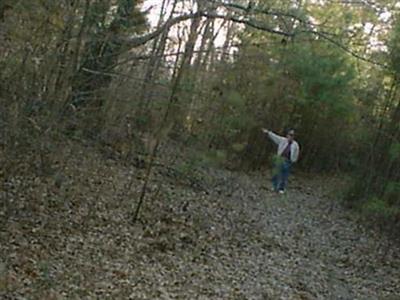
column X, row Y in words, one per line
column 133, row 164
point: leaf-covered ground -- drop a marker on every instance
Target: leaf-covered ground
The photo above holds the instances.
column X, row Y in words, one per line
column 209, row 234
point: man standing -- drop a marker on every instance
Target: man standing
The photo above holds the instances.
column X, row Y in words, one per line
column 288, row 153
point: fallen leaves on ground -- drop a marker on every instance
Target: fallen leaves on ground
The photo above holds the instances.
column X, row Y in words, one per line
column 227, row 237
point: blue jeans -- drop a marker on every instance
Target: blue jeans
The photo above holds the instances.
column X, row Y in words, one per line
column 281, row 175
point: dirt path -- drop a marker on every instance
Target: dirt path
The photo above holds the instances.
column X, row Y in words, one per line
column 221, row 236
column 303, row 245
column 319, row 252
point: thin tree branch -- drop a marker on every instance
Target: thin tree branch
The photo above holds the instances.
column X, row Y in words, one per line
column 250, row 23
column 257, row 10
column 141, row 40
column 346, row 49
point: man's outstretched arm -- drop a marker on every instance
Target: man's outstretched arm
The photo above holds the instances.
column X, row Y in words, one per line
column 277, row 139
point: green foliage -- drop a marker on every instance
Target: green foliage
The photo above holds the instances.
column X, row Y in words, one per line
column 394, row 46
column 376, row 186
column 214, row 158
column 392, row 193
column 277, row 162
column 235, row 99
column 394, row 151
column 307, row 85
column 238, row 147
column 378, row 207
column 325, row 79
column 197, row 159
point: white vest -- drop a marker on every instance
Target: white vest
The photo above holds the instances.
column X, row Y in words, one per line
column 282, row 143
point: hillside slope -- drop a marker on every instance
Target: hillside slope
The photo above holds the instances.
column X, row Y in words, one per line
column 210, row 234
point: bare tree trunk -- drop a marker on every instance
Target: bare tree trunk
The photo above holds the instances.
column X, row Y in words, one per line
column 153, row 66
column 206, row 36
column 61, row 82
column 78, row 45
column 103, row 50
column 228, row 41
column 187, row 57
column 195, row 75
column 189, row 47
